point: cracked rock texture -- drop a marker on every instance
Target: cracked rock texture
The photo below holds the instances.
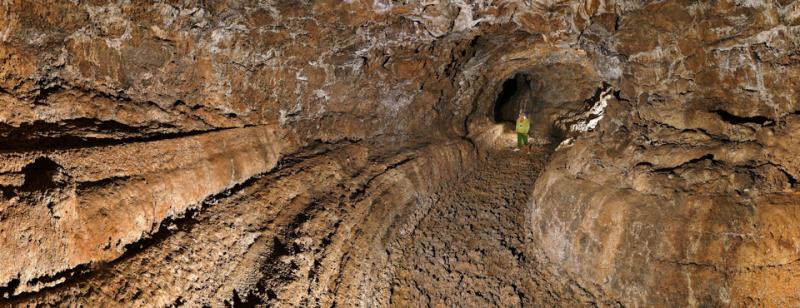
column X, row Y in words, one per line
column 346, row 153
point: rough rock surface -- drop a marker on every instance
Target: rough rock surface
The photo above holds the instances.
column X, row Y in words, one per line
column 473, row 248
column 279, row 152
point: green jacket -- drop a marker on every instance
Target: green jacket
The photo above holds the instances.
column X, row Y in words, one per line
column 523, row 126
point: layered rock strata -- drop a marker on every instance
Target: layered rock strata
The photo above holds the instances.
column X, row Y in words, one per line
column 123, row 122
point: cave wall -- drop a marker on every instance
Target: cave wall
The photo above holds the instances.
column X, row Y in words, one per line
column 682, row 196
column 141, row 111
column 146, row 110
column 125, row 70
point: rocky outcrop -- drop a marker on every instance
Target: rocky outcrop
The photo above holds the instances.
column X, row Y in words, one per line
column 279, row 151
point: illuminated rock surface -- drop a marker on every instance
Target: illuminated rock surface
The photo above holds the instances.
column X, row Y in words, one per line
column 321, row 153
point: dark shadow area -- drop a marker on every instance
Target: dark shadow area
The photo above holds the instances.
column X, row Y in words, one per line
column 40, row 175
column 514, row 96
column 556, row 135
column 738, row 120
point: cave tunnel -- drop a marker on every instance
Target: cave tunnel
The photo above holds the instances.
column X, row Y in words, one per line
column 364, row 153
column 524, row 91
column 515, row 94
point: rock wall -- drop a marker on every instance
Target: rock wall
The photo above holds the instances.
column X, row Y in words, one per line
column 140, row 112
column 684, row 194
column 120, row 117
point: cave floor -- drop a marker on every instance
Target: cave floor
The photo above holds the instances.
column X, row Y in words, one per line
column 473, row 249
column 283, row 238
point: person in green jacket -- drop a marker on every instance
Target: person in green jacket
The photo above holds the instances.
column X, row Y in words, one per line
column 523, row 126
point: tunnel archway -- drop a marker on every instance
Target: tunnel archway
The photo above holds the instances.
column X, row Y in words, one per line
column 521, row 92
column 515, row 95
column 552, row 96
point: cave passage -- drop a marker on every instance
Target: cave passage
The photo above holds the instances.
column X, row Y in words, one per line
column 483, row 256
column 514, row 95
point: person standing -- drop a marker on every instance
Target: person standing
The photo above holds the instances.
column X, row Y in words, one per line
column 523, row 126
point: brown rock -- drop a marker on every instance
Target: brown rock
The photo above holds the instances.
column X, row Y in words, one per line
column 343, row 153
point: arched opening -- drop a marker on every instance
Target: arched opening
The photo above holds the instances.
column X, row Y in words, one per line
column 552, row 101
column 514, row 96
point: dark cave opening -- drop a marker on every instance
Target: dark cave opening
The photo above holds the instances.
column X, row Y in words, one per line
column 514, row 96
